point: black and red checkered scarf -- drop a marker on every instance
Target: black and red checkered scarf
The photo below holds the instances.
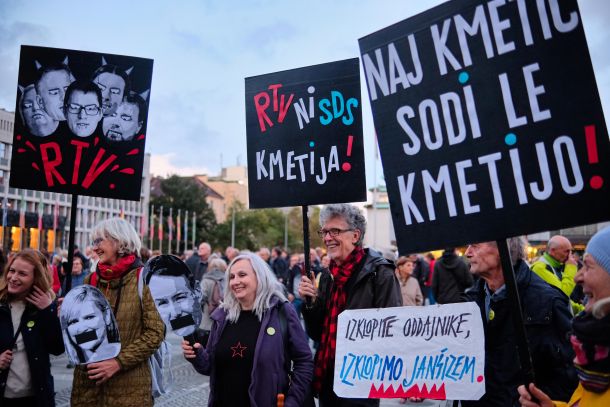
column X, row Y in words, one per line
column 338, row 299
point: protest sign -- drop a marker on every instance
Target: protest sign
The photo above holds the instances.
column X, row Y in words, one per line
column 82, row 122
column 304, row 133
column 89, row 327
column 177, row 294
column 489, row 122
column 435, row 352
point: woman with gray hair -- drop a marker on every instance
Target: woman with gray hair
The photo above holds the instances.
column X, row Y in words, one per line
column 124, row 380
column 357, row 278
column 255, row 337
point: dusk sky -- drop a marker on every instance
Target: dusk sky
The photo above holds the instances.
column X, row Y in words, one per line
column 203, row 50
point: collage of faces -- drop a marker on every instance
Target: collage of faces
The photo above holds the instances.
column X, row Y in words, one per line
column 102, row 103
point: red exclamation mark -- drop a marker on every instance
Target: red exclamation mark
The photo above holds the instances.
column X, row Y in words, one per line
column 596, row 181
column 347, row 166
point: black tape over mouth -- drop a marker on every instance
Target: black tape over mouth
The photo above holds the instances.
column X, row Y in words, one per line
column 86, row 336
column 181, row 322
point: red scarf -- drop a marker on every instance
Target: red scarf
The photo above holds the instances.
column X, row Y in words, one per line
column 325, row 357
column 117, row 270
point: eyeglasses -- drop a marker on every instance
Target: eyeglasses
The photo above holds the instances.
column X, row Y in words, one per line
column 97, row 241
column 91, row 110
column 334, row 232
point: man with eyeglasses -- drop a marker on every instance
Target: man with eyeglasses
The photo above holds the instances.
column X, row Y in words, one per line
column 558, row 267
column 83, row 108
column 357, row 278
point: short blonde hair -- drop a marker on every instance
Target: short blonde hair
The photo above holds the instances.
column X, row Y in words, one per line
column 121, row 232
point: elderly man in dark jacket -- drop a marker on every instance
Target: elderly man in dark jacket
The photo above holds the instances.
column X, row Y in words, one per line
column 451, row 277
column 547, row 321
column 357, row 278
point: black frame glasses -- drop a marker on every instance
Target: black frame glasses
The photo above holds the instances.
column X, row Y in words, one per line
column 333, row 232
column 90, row 110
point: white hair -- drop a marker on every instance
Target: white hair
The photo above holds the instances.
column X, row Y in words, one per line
column 120, row 231
column 267, row 287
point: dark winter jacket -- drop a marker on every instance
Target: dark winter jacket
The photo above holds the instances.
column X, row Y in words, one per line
column 372, row 285
column 41, row 336
column 547, row 321
column 197, row 266
column 280, row 269
column 269, row 372
column 421, row 271
column 450, row 279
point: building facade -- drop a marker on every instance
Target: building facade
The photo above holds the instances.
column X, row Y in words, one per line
column 90, row 210
column 226, row 190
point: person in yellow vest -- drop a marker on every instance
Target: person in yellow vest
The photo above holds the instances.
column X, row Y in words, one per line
column 590, row 335
column 558, row 267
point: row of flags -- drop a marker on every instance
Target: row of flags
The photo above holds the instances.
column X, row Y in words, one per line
column 178, row 229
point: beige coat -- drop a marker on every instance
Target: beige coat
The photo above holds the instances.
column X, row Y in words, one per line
column 411, row 293
column 142, row 331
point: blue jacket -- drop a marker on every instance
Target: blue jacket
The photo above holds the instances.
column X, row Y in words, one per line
column 547, row 320
column 269, row 375
column 40, row 339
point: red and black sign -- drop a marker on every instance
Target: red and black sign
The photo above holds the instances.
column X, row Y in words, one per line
column 304, row 131
column 489, row 122
column 80, row 125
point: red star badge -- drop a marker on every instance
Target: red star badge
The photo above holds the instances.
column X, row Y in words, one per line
column 238, row 350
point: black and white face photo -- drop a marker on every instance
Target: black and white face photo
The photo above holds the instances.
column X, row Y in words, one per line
column 112, row 87
column 123, row 124
column 84, row 113
column 51, row 88
column 35, row 118
column 89, row 328
column 176, row 303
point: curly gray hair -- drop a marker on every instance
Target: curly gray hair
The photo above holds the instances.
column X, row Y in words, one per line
column 351, row 214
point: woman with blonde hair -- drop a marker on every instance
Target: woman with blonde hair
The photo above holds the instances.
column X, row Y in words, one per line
column 257, row 348
column 29, row 331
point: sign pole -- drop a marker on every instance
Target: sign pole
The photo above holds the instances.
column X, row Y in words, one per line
column 525, row 358
column 306, row 245
column 68, row 270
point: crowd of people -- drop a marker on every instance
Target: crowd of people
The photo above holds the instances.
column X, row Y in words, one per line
column 258, row 315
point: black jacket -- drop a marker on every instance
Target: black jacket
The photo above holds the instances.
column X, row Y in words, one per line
column 450, row 279
column 197, row 266
column 372, row 285
column 547, row 320
column 41, row 336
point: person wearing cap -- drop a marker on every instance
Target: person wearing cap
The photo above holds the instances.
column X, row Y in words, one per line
column 590, row 333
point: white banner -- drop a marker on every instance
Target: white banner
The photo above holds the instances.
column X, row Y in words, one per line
column 434, row 352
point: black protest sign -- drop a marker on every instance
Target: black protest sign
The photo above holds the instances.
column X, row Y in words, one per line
column 81, row 125
column 304, row 131
column 489, row 122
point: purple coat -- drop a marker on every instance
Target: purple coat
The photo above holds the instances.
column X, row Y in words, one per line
column 269, row 375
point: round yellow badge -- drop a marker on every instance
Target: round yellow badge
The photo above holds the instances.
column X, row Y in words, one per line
column 492, row 314
column 30, row 324
column 271, row 330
